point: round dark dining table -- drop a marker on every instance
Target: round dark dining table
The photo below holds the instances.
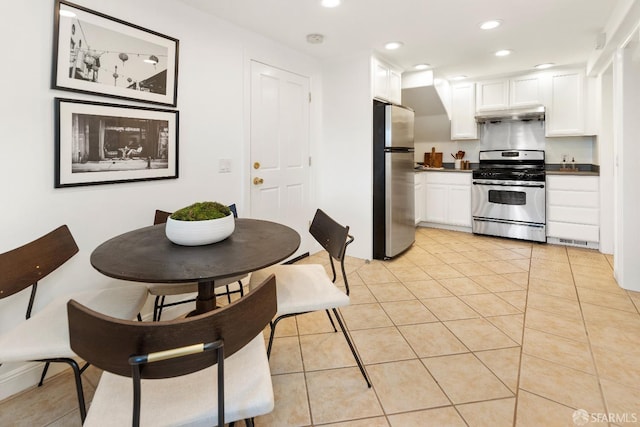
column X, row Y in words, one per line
column 146, row 255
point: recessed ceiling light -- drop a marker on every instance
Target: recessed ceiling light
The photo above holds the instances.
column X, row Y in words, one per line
column 315, row 38
column 393, row 45
column 504, row 52
column 490, row 25
column 544, row 66
column 67, row 13
column 421, row 66
column 330, row 3
column 460, row 77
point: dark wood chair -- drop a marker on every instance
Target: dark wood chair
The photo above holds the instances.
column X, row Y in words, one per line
column 161, row 290
column 305, row 288
column 44, row 336
column 163, row 373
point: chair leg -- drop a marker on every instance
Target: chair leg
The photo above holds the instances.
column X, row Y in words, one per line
column 76, row 374
column 272, row 325
column 156, row 304
column 160, row 307
column 331, row 320
column 249, row 422
column 228, row 294
column 353, row 349
column 44, row 374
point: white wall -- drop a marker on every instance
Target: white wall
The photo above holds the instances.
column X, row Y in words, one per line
column 345, row 163
column 606, row 161
column 212, row 93
column 627, row 173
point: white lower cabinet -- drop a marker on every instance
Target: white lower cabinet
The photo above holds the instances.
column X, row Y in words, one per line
column 419, row 197
column 573, row 210
column 447, row 198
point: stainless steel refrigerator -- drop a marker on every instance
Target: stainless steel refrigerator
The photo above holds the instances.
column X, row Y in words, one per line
column 393, row 180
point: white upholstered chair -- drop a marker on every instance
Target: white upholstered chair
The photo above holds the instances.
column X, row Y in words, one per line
column 44, row 335
column 305, row 288
column 203, row 370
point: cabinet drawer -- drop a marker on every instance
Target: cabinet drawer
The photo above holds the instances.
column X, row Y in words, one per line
column 564, row 230
column 579, row 199
column 573, row 183
column 588, row 216
column 449, row 178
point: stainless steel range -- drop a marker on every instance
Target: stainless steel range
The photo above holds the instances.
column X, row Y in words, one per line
column 508, row 194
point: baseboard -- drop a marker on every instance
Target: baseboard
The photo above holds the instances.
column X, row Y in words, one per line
column 573, row 242
column 445, row 226
column 25, row 376
column 296, row 259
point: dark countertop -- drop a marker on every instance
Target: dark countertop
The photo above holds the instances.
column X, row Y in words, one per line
column 446, row 167
column 582, row 169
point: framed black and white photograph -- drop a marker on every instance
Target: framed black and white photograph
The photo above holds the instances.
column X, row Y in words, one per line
column 95, row 53
column 100, row 143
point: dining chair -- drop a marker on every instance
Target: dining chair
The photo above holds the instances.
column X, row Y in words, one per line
column 203, row 370
column 306, row 288
column 44, row 336
column 161, row 290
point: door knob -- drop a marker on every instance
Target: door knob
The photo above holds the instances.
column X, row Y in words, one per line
column 257, row 181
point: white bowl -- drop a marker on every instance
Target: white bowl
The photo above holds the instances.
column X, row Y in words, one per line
column 196, row 233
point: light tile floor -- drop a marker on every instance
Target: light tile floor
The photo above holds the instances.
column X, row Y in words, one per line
column 461, row 330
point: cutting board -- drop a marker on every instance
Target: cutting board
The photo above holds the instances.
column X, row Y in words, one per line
column 433, row 159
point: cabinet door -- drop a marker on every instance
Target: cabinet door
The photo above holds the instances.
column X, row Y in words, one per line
column 436, row 203
column 395, row 87
column 492, row 95
column 419, row 197
column 463, row 106
column 380, row 80
column 459, row 205
column 525, row 91
column 566, row 109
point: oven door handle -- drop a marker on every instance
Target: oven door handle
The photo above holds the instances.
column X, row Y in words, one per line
column 502, row 221
column 500, row 184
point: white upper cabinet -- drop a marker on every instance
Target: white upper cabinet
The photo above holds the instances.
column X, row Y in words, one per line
column 569, row 106
column 521, row 91
column 463, row 111
column 525, row 91
column 387, row 82
column 492, row 95
column 395, row 86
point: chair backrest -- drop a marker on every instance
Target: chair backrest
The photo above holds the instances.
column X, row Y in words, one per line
column 25, row 266
column 161, row 216
column 107, row 343
column 333, row 237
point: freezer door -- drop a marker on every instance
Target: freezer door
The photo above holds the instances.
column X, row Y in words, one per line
column 398, row 127
column 400, row 226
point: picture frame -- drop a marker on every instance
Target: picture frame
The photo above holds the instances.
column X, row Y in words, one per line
column 97, row 143
column 98, row 54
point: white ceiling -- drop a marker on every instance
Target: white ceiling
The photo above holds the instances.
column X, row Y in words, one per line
column 443, row 33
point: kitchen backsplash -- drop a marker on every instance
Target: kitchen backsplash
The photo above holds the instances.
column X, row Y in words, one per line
column 581, row 148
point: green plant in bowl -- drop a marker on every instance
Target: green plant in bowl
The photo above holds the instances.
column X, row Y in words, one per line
column 202, row 211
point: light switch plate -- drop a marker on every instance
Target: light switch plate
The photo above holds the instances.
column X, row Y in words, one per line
column 224, row 166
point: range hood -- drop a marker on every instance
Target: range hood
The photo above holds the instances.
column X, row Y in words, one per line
column 528, row 113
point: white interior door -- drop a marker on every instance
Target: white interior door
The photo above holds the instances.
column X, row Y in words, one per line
column 280, row 148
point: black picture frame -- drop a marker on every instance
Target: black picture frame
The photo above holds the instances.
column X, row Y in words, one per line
column 98, row 54
column 97, row 143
